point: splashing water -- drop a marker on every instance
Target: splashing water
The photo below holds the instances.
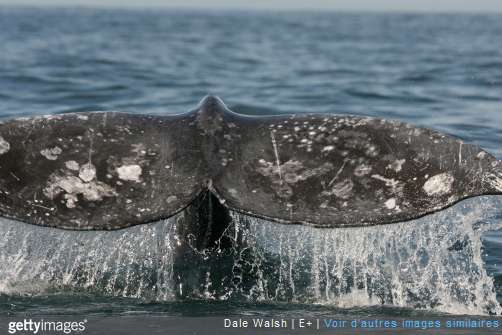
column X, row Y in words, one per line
column 431, row 263
column 434, row 262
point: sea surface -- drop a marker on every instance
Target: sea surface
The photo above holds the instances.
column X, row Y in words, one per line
column 441, row 71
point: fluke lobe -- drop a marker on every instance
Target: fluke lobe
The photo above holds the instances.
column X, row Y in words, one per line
column 108, row 170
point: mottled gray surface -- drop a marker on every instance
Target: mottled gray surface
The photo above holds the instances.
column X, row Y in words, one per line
column 98, row 170
column 112, row 170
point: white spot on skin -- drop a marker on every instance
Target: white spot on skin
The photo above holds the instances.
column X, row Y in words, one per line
column 232, row 191
column 4, row 146
column 129, row 172
column 87, row 172
column 362, row 170
column 328, row 148
column 71, row 199
column 139, row 149
column 72, row 165
column 93, row 191
column 391, row 203
column 82, row 117
column 71, row 184
column 51, row 154
column 372, row 151
column 396, row 165
column 172, row 198
column 439, row 184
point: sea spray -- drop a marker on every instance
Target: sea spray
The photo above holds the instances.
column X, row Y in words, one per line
column 431, row 263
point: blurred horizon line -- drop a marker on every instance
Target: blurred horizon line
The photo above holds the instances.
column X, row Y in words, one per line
column 148, row 7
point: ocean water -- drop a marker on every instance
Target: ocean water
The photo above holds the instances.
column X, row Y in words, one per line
column 441, row 71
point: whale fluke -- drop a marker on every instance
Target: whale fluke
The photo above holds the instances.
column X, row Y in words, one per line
column 109, row 170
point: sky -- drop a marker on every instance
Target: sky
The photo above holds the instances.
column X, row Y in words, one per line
column 331, row 5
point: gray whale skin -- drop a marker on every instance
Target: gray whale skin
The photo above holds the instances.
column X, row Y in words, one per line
column 109, row 170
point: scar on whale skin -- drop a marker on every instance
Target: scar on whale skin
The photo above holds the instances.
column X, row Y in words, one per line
column 439, row 184
column 129, row 172
column 51, row 154
column 320, row 170
column 4, row 146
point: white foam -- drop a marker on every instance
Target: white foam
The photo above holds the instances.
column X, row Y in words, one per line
column 431, row 263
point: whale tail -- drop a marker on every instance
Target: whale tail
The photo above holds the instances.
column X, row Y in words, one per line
column 108, row 170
